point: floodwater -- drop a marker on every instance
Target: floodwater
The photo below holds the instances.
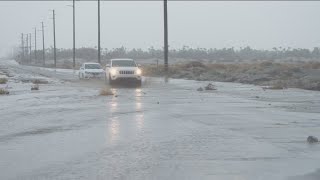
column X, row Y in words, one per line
column 163, row 130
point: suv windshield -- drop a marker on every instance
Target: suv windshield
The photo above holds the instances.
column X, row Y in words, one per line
column 123, row 63
column 93, row 66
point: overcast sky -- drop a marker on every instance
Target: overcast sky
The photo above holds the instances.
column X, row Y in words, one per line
column 135, row 24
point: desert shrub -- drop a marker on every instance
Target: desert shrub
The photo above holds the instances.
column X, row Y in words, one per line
column 311, row 85
column 273, row 74
column 49, row 65
column 217, row 66
column 266, row 64
column 315, row 86
column 39, row 81
column 35, row 87
column 106, row 91
column 195, row 64
column 198, row 70
column 152, row 70
column 278, row 85
column 3, row 80
column 3, row 91
column 66, row 64
column 312, row 65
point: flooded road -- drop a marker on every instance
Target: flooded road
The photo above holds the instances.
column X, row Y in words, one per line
column 159, row 131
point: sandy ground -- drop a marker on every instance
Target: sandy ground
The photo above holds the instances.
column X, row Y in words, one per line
column 164, row 130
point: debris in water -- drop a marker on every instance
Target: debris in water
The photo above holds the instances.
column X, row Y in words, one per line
column 35, row 87
column 312, row 139
column 106, row 91
column 210, row 87
column 200, row 89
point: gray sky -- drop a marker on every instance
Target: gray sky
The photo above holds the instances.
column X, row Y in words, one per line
column 135, row 24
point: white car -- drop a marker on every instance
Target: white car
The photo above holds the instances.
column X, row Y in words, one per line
column 91, row 70
column 123, row 69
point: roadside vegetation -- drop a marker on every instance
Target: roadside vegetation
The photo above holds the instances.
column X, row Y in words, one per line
column 186, row 52
column 3, row 91
column 274, row 75
column 3, row 80
column 278, row 68
column 39, row 81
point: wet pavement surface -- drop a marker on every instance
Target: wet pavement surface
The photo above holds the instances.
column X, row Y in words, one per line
column 163, row 130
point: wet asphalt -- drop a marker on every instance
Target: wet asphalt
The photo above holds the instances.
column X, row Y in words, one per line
column 162, row 130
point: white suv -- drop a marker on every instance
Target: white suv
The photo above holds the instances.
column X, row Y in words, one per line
column 91, row 70
column 123, row 69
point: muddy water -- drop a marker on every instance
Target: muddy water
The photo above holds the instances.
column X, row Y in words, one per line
column 159, row 131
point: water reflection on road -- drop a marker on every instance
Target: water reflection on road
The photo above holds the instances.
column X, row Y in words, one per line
column 113, row 122
column 114, row 128
column 132, row 104
column 139, row 116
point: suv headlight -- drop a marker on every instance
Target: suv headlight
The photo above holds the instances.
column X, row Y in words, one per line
column 113, row 72
column 138, row 72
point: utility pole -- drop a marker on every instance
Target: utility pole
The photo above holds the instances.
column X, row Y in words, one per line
column 99, row 47
column 22, row 47
column 74, row 36
column 54, row 39
column 30, row 48
column 27, row 47
column 35, row 44
column 43, row 50
column 165, row 16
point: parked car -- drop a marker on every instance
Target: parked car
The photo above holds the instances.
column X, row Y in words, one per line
column 123, row 70
column 91, row 70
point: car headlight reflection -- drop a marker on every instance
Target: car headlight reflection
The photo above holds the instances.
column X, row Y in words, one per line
column 113, row 71
column 138, row 72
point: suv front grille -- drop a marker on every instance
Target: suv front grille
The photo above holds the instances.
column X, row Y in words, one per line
column 126, row 72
